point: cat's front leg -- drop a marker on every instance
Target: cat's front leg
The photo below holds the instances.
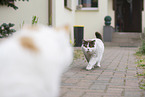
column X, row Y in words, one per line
column 99, row 59
column 92, row 63
column 98, row 64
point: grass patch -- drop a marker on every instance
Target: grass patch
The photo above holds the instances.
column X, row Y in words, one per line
column 142, row 84
column 126, row 68
column 78, row 54
column 141, row 74
column 142, row 88
column 140, row 55
column 141, row 63
column 141, row 66
column 141, row 49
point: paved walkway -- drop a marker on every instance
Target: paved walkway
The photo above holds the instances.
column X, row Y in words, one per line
column 116, row 77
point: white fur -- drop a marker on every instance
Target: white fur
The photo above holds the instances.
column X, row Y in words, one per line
column 94, row 54
column 24, row 73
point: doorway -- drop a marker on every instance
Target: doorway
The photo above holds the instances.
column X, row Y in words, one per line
column 128, row 15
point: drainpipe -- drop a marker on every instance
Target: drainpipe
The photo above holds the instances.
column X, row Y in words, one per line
column 49, row 12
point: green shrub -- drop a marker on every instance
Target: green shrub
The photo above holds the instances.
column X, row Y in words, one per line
column 142, row 48
column 5, row 30
column 10, row 3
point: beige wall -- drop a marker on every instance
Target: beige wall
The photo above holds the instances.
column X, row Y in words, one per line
column 111, row 12
column 93, row 20
column 25, row 12
column 62, row 16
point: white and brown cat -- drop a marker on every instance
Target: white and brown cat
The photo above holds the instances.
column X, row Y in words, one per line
column 33, row 60
column 93, row 50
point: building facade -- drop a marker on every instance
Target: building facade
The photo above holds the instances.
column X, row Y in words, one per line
column 127, row 15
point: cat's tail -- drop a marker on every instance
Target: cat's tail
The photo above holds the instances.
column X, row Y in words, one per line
column 98, row 35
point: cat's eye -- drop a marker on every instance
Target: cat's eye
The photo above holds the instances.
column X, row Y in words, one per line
column 91, row 44
column 85, row 45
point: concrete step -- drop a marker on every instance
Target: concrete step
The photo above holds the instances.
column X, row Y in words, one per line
column 125, row 39
column 126, row 35
column 122, row 44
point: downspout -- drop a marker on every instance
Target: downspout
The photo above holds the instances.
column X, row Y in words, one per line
column 49, row 12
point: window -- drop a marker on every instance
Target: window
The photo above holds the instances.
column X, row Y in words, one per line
column 68, row 4
column 88, row 4
column 5, row 2
column 65, row 3
column 11, row 1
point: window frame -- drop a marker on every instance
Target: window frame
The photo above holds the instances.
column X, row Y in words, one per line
column 68, row 4
column 80, row 6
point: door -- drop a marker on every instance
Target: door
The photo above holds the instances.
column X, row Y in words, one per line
column 128, row 15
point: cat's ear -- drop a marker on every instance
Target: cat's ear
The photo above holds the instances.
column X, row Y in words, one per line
column 93, row 41
column 84, row 41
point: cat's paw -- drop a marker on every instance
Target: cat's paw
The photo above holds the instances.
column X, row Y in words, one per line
column 98, row 65
column 89, row 67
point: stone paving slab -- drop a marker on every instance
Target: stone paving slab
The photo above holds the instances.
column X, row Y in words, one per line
column 115, row 78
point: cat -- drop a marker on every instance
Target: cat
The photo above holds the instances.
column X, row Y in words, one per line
column 33, row 60
column 93, row 50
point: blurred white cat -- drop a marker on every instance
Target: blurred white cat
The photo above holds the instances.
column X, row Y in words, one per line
column 33, row 60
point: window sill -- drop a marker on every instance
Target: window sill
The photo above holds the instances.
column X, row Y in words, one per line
column 87, row 9
column 68, row 8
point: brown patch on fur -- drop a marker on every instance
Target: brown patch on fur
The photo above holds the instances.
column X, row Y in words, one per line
column 28, row 43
